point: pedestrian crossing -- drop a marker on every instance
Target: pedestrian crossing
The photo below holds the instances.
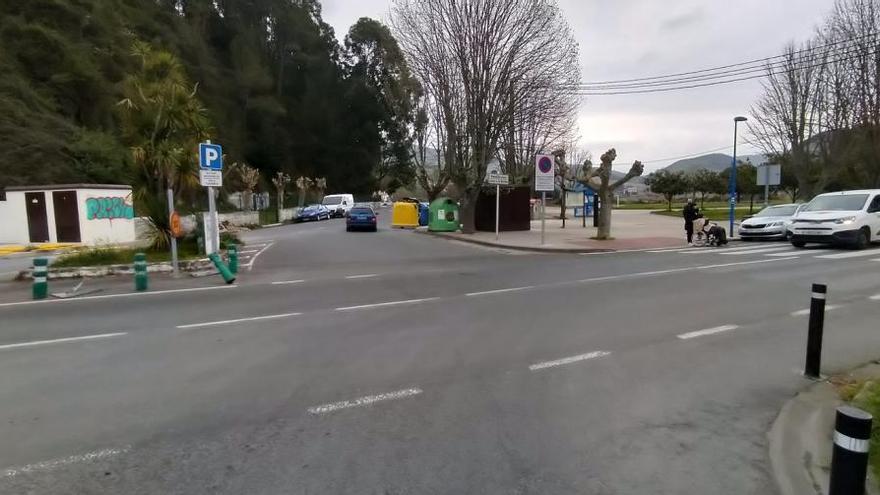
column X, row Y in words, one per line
column 775, row 251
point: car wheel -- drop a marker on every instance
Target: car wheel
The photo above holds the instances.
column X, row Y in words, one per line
column 862, row 240
column 375, row 229
column 798, row 244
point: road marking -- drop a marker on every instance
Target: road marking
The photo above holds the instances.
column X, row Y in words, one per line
column 853, row 254
column 56, row 463
column 238, row 320
column 875, row 298
column 61, row 341
column 250, row 251
column 568, row 360
column 740, row 263
column 250, row 264
column 804, row 312
column 365, row 401
column 288, row 282
column 677, row 270
column 499, row 291
column 708, row 331
column 127, row 294
column 716, row 250
column 368, row 275
column 799, row 253
column 391, row 303
column 678, row 250
column 758, row 251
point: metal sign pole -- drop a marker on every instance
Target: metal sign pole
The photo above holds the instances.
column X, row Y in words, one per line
column 543, row 205
column 497, row 207
column 173, row 238
column 766, row 186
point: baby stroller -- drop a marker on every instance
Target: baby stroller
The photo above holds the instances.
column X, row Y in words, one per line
column 708, row 234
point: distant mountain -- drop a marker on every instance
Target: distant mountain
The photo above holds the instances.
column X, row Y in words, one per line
column 715, row 162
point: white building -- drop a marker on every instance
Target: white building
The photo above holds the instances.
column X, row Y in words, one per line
column 77, row 213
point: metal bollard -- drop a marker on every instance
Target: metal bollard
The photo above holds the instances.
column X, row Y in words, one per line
column 232, row 252
column 227, row 275
column 814, row 335
column 41, row 277
column 140, row 272
column 849, row 459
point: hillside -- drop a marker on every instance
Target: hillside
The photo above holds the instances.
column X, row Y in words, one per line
column 715, row 162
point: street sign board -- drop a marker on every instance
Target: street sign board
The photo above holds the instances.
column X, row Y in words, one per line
column 498, row 179
column 769, row 175
column 211, row 178
column 210, row 156
column 545, row 177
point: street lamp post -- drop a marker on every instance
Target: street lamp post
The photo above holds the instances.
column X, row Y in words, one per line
column 736, row 121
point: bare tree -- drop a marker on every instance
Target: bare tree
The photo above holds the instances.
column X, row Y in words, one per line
column 249, row 178
column 481, row 63
column 429, row 154
column 600, row 180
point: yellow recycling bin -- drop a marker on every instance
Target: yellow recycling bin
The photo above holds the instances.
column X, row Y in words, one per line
column 405, row 215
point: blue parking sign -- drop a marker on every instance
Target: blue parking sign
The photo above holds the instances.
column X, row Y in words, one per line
column 210, row 156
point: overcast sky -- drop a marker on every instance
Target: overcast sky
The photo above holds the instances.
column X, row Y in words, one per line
column 622, row 39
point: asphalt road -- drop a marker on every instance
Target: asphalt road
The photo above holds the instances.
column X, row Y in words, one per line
column 395, row 362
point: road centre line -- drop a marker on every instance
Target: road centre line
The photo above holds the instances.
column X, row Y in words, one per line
column 758, row 251
column 804, row 312
column 678, row 270
column 799, row 253
column 568, row 360
column 250, row 264
column 499, row 291
column 365, row 401
column 65, row 461
column 385, row 304
column 61, row 341
column 708, row 331
column 368, row 275
column 127, row 294
column 875, row 298
column 852, row 254
column 238, row 320
column 288, row 282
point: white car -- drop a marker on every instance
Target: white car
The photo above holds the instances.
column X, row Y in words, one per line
column 338, row 204
column 846, row 217
column 770, row 223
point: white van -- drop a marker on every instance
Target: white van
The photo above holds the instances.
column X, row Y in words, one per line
column 338, row 204
column 846, row 217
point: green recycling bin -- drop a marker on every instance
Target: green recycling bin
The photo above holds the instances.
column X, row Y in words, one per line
column 443, row 215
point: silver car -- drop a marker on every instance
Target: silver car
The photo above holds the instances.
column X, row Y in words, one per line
column 771, row 223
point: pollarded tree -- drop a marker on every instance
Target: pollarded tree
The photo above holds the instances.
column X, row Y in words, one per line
column 600, row 180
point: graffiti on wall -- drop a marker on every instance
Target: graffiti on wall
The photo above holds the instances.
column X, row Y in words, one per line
column 109, row 208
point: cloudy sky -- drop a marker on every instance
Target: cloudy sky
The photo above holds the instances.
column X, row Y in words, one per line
column 621, row 39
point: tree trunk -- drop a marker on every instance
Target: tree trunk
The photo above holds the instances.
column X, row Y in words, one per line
column 605, row 197
column 668, row 202
column 468, row 211
column 562, row 206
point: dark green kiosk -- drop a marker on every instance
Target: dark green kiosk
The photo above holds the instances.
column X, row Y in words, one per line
column 444, row 215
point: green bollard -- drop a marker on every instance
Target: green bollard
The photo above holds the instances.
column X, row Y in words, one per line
column 232, row 252
column 140, row 272
column 221, row 267
column 41, row 275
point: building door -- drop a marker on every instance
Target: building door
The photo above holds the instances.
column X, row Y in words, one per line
column 66, row 216
column 38, row 222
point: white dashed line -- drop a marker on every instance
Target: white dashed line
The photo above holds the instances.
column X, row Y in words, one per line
column 804, row 312
column 365, row 401
column 238, row 320
column 251, row 251
column 127, row 294
column 288, row 282
column 499, row 291
column 708, row 331
column 853, row 254
column 250, row 264
column 875, row 298
column 35, row 343
column 758, row 251
column 568, row 360
column 799, row 253
column 56, row 463
column 384, row 304
column 368, row 275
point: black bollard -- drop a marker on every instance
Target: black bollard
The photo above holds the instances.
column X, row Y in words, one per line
column 814, row 336
column 849, row 459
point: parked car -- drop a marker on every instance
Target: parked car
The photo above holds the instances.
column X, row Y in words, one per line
column 846, row 217
column 313, row 213
column 361, row 217
column 338, row 204
column 771, row 223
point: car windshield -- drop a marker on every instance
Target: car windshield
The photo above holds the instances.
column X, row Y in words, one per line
column 332, row 200
column 361, row 211
column 842, row 202
column 777, row 211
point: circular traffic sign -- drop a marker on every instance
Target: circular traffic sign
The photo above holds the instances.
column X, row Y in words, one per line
column 545, row 165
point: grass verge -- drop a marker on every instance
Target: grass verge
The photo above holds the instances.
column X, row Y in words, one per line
column 187, row 249
column 865, row 394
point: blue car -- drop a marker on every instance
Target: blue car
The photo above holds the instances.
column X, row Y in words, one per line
column 313, row 212
column 361, row 218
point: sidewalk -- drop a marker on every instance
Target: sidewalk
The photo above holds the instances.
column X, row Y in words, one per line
column 631, row 229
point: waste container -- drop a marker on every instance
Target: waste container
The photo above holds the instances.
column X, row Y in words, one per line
column 443, row 216
column 424, row 214
column 405, row 215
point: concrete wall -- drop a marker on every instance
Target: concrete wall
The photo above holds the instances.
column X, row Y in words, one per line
column 13, row 219
column 106, row 216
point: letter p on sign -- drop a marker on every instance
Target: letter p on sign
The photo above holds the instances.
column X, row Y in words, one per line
column 210, row 156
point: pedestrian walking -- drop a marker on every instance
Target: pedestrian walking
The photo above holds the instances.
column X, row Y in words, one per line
column 690, row 214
